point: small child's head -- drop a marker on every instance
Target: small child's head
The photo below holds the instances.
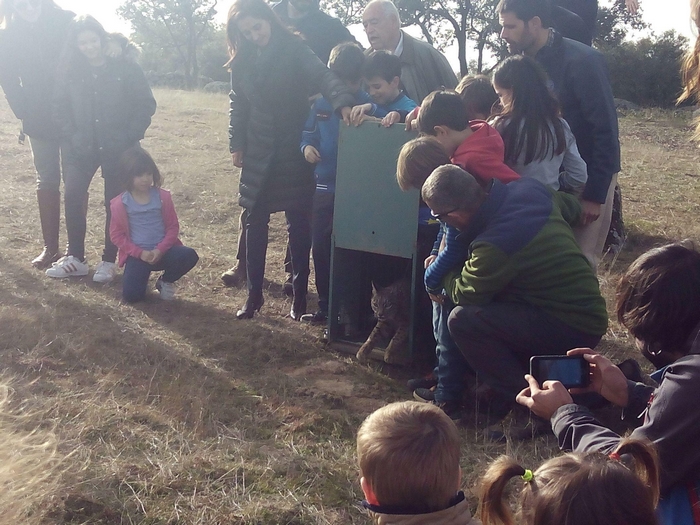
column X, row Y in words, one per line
column 382, row 73
column 408, row 455
column 443, row 115
column 658, row 301
column 577, row 489
column 137, row 168
column 346, row 61
column 417, row 160
column 521, row 84
column 478, row 96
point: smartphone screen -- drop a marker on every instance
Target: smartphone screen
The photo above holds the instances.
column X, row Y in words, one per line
column 571, row 371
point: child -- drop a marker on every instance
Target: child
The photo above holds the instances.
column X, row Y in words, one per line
column 577, row 489
column 103, row 107
column 382, row 74
column 319, row 144
column 478, row 96
column 145, row 228
column 538, row 142
column 658, row 301
column 408, row 455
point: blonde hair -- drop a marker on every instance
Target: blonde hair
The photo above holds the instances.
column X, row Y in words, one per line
column 690, row 69
column 577, row 489
column 408, row 453
column 28, row 462
column 417, row 160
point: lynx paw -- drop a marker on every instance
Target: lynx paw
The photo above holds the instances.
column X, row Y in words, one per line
column 363, row 353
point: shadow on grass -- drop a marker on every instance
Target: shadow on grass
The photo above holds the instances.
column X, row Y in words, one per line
column 636, row 244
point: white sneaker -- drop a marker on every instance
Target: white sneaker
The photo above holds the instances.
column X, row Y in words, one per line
column 167, row 290
column 105, row 272
column 68, row 266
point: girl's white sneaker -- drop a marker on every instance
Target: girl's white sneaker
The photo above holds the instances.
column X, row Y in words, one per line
column 105, row 272
column 68, row 266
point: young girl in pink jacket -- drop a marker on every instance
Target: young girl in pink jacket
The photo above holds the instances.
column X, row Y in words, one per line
column 145, row 228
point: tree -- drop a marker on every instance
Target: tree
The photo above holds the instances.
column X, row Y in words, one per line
column 613, row 24
column 175, row 26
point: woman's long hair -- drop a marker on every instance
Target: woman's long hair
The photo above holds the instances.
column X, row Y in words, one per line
column 690, row 69
column 238, row 45
column 72, row 60
column 531, row 118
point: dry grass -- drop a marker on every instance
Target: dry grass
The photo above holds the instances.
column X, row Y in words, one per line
column 178, row 413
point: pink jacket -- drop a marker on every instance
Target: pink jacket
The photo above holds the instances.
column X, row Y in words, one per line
column 119, row 227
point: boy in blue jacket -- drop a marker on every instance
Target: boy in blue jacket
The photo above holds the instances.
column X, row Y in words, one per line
column 382, row 75
column 319, row 144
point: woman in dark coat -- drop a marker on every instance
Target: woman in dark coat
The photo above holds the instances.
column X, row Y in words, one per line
column 103, row 106
column 272, row 75
column 31, row 39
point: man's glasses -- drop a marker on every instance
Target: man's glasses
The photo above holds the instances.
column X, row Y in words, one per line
column 441, row 216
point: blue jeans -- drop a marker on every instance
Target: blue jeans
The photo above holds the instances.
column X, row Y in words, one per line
column 176, row 262
column 321, row 230
column 451, row 366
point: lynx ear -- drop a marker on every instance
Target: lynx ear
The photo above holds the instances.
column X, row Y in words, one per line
column 374, row 289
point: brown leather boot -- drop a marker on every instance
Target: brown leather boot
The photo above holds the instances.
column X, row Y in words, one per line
column 50, row 216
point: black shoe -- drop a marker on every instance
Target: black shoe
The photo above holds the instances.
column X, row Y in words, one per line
column 453, row 409
column 298, row 308
column 235, row 276
column 428, row 381
column 288, row 286
column 252, row 305
column 317, row 318
column 424, row 395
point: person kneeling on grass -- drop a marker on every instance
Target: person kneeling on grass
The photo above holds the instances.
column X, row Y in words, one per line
column 658, row 301
column 408, row 453
column 145, row 228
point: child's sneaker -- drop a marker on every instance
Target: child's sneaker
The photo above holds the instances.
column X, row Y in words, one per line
column 68, row 266
column 167, row 290
column 105, row 272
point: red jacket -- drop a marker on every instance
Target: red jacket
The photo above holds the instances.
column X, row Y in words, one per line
column 119, row 227
column 481, row 154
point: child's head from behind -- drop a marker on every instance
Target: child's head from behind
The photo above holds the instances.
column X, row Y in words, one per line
column 577, row 489
column 521, row 84
column 418, row 158
column 478, row 96
column 136, row 167
column 382, row 73
column 443, row 115
column 346, row 61
column 408, row 454
column 658, row 301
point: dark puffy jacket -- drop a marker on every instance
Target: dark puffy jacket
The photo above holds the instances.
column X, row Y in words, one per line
column 269, row 106
column 28, row 57
column 110, row 110
column 320, row 31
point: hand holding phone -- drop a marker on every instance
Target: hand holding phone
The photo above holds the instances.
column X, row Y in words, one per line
column 570, row 371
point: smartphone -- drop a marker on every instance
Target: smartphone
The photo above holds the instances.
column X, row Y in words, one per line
column 571, row 371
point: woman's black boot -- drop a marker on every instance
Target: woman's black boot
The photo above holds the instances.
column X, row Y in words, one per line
column 252, row 305
column 298, row 307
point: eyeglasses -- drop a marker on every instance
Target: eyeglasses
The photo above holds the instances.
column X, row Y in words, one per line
column 441, row 216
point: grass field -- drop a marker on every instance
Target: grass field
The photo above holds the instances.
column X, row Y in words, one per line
column 178, row 413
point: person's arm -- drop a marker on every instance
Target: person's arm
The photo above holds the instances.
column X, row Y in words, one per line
column 141, row 101
column 569, row 206
column 9, row 79
column 119, row 229
column 239, row 112
column 575, row 169
column 61, row 112
column 591, row 88
column 172, row 225
column 311, row 136
column 450, row 258
column 447, row 76
column 322, row 79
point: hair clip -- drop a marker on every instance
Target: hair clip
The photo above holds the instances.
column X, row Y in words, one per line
column 527, row 475
column 615, row 456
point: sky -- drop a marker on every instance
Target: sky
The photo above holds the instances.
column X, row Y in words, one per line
column 662, row 15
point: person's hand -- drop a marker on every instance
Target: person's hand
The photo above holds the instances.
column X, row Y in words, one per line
column 632, row 6
column 590, row 212
column 147, row 256
column 606, row 379
column 157, row 255
column 311, row 154
column 429, row 260
column 437, row 298
column 357, row 114
column 237, row 157
column 546, row 400
column 113, row 49
column 391, row 118
column 345, row 114
column 412, row 120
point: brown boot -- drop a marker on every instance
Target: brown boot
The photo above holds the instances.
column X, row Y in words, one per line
column 50, row 216
column 235, row 276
